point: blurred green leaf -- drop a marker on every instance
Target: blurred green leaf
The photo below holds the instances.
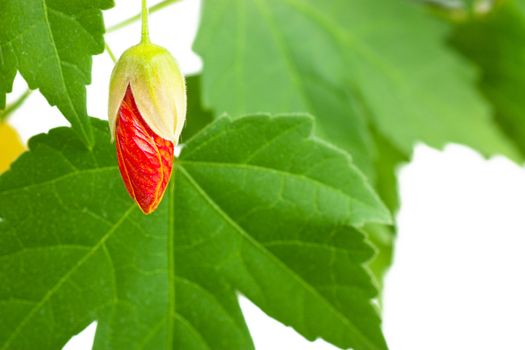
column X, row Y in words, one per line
column 257, row 205
column 387, row 163
column 496, row 43
column 197, row 116
column 308, row 55
column 378, row 76
column 267, row 56
column 51, row 44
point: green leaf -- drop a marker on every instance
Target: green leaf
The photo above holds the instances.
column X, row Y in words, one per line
column 51, row 43
column 496, row 43
column 387, row 163
column 197, row 116
column 359, row 69
column 293, row 67
column 256, row 206
column 312, row 55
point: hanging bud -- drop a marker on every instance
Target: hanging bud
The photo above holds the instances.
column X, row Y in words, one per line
column 147, row 110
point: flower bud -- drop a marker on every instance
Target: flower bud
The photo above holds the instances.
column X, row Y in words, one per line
column 147, row 110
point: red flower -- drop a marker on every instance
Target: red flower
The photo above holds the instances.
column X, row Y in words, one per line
column 145, row 159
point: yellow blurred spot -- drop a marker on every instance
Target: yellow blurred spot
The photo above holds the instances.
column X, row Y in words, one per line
column 10, row 146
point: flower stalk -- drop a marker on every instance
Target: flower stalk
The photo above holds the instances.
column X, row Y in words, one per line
column 145, row 23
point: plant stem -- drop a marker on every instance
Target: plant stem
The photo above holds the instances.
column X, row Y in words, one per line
column 171, row 256
column 110, row 53
column 145, row 27
column 14, row 106
column 135, row 18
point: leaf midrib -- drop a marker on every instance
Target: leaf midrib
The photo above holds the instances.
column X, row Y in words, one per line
column 286, row 174
column 59, row 178
column 59, row 64
column 171, row 263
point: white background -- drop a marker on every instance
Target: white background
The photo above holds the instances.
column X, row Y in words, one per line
column 457, row 281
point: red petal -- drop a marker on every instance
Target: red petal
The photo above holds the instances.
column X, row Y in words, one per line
column 144, row 158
